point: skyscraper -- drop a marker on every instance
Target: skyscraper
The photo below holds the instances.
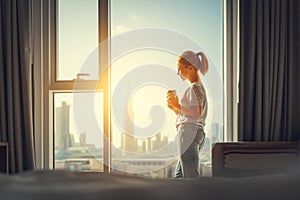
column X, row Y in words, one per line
column 128, row 140
column 62, row 128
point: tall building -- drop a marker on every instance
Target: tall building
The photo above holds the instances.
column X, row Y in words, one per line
column 129, row 143
column 149, row 144
column 143, row 147
column 82, row 139
column 159, row 142
column 215, row 132
column 62, row 130
column 128, row 140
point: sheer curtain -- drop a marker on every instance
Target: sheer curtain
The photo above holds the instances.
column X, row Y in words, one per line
column 269, row 70
column 16, row 124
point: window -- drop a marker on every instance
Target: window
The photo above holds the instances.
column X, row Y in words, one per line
column 146, row 39
column 76, row 38
column 77, row 137
column 77, row 109
column 117, row 59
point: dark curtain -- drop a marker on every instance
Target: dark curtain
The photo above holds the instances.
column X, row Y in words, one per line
column 269, row 101
column 16, row 125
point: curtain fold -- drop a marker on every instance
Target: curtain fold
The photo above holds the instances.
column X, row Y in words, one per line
column 269, row 67
column 16, row 124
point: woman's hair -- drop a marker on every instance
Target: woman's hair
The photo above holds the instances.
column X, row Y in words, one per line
column 188, row 58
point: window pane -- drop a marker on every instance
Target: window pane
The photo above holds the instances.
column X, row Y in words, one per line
column 78, row 126
column 77, row 39
column 144, row 64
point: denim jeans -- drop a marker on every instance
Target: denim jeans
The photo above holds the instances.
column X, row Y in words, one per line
column 190, row 138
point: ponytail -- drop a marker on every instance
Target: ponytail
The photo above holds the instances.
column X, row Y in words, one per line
column 203, row 63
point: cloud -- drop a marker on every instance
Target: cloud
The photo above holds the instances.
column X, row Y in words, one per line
column 135, row 17
column 119, row 29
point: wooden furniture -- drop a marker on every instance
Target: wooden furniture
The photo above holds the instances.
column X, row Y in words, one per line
column 4, row 157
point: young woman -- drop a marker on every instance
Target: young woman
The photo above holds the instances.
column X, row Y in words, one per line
column 191, row 113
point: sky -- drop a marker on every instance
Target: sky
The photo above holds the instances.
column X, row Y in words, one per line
column 198, row 20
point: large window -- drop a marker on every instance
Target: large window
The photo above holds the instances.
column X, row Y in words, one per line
column 146, row 39
column 114, row 116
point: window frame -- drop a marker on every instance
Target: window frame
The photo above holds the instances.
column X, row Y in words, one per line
column 44, row 46
column 47, row 41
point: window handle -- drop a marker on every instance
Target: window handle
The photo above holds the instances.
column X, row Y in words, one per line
column 79, row 75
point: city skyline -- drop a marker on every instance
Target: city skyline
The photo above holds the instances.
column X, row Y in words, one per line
column 152, row 155
column 65, row 139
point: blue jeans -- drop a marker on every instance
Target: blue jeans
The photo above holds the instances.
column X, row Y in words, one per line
column 190, row 138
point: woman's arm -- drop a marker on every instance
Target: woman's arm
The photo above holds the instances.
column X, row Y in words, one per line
column 193, row 112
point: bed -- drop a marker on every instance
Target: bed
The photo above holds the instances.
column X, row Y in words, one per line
column 242, row 159
column 59, row 185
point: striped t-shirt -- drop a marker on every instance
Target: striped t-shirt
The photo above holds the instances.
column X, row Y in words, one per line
column 194, row 95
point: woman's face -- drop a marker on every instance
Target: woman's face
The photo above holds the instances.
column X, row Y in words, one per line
column 182, row 72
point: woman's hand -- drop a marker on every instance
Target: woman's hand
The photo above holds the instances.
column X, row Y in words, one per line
column 173, row 103
column 193, row 112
